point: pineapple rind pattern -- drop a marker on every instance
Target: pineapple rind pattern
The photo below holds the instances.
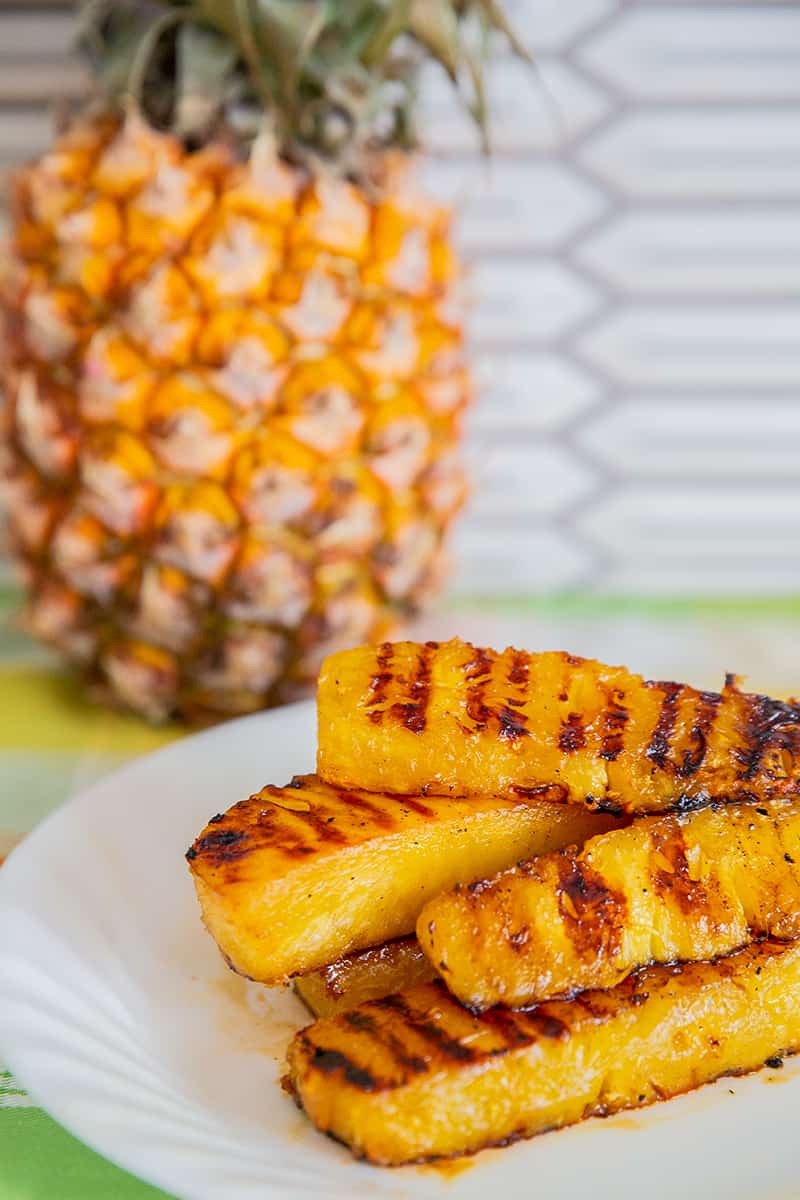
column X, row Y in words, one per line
column 234, row 397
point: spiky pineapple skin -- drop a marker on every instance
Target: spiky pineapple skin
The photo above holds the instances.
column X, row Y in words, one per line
column 233, row 409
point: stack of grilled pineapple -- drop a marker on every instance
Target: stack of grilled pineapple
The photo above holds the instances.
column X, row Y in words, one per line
column 545, row 983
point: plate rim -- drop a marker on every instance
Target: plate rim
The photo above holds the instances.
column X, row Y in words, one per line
column 29, row 846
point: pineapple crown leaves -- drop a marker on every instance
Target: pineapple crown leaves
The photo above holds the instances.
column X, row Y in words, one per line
column 335, row 80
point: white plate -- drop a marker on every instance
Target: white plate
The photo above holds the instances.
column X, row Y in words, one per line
column 119, row 1016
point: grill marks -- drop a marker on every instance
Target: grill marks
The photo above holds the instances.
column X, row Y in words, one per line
column 510, row 1026
column 281, row 836
column 220, row 846
column 365, row 1023
column 416, row 806
column 433, row 1032
column 660, row 749
column 412, row 712
column 391, row 1030
column 660, row 742
column 321, row 819
column 331, row 1061
column 324, row 828
column 707, row 708
column 772, row 725
column 411, row 709
column 283, row 829
column 478, row 675
column 593, row 913
column 670, row 870
column 519, row 671
column 507, row 719
column 377, row 814
column 523, row 1027
column 769, row 726
column 615, row 718
column 573, row 735
column 380, row 682
column 771, row 733
column 546, row 1024
column 696, row 745
column 513, row 723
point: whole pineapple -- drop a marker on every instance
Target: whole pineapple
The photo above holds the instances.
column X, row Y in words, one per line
column 232, row 356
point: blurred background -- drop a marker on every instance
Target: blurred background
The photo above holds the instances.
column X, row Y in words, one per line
column 635, row 261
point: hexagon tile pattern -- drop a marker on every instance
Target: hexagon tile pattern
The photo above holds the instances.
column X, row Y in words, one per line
column 638, row 294
column 634, row 247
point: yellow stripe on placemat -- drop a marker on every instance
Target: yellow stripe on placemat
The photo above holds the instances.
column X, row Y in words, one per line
column 49, row 710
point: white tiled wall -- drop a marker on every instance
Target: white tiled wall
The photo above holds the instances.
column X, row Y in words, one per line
column 635, row 250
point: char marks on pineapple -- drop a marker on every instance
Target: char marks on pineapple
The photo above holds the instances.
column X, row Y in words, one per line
column 546, row 1024
column 572, row 735
column 386, row 1030
column 274, row 827
column 385, row 1037
column 523, row 1027
column 413, row 711
column 478, row 674
column 670, row 868
column 512, row 722
column 325, row 828
column 220, row 846
column 428, row 1028
column 330, row 1062
column 707, row 708
column 772, row 725
column 507, row 718
column 601, row 1006
column 615, row 719
column 415, row 805
column 380, row 683
column 508, row 1025
column 593, row 913
column 519, row 670
column 660, row 742
column 378, row 815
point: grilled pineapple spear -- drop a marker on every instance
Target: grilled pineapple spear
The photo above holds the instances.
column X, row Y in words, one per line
column 416, row 1076
column 452, row 719
column 293, row 878
column 367, row 975
column 676, row 887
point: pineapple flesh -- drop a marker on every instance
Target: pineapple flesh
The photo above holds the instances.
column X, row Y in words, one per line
column 368, row 975
column 663, row 889
column 416, row 1076
column 454, row 719
column 293, row 878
